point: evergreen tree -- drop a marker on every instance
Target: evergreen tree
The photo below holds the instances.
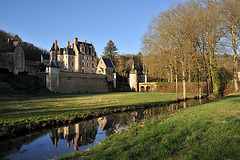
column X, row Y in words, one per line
column 111, row 51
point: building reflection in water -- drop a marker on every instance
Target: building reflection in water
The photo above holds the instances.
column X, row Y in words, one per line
column 80, row 134
column 84, row 133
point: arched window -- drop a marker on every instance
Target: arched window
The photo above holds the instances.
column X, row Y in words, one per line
column 142, row 89
column 148, row 88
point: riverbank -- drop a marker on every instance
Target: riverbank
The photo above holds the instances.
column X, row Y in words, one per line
column 21, row 112
column 207, row 131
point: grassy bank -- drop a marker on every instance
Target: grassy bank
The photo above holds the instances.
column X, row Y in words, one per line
column 25, row 110
column 207, row 131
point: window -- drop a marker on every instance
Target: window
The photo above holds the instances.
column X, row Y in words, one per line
column 87, row 65
column 83, row 57
column 92, row 65
column 93, row 58
column 87, row 57
column 83, row 64
column 72, row 63
column 82, row 70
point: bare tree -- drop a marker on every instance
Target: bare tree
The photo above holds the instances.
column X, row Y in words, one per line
column 231, row 16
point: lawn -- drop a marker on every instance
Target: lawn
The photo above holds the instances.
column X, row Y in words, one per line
column 207, row 131
column 31, row 109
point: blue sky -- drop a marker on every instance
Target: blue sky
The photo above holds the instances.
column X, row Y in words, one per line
column 42, row 21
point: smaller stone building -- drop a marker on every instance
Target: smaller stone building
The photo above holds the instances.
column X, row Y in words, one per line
column 106, row 67
column 135, row 79
column 12, row 57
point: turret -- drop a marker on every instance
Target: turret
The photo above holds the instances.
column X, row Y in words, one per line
column 133, row 79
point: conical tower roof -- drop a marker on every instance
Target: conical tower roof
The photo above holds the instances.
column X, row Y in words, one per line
column 133, row 70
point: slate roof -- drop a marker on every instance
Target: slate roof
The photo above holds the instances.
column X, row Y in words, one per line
column 46, row 56
column 54, row 63
column 88, row 44
column 53, row 47
column 108, row 62
column 61, row 51
column 69, row 51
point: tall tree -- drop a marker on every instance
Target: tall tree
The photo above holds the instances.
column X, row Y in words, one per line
column 231, row 15
column 111, row 51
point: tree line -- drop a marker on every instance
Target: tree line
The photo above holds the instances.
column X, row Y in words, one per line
column 123, row 63
column 186, row 40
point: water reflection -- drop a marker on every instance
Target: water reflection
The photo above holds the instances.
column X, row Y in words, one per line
column 79, row 136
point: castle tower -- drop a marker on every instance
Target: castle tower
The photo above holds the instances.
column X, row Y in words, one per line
column 133, row 79
column 53, row 69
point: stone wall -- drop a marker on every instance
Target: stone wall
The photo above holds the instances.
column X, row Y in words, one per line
column 72, row 82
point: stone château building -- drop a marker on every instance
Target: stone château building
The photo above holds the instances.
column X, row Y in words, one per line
column 80, row 57
column 73, row 69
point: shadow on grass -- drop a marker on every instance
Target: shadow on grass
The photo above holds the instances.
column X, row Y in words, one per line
column 23, row 95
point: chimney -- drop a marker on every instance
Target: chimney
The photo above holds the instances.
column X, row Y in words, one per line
column 56, row 48
column 9, row 41
column 68, row 44
column 75, row 40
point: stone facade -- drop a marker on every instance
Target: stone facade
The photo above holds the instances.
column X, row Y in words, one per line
column 106, row 67
column 12, row 57
column 80, row 57
column 133, row 82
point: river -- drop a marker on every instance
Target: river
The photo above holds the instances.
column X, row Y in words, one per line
column 55, row 142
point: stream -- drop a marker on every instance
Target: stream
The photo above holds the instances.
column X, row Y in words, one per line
column 56, row 142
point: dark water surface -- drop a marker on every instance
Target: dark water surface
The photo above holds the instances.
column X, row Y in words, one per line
column 53, row 143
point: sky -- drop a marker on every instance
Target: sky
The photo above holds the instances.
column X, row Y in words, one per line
column 41, row 22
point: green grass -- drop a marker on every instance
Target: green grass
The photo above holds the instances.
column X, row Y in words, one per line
column 207, row 131
column 21, row 108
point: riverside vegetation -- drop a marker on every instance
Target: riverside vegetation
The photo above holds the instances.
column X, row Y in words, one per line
column 207, row 131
